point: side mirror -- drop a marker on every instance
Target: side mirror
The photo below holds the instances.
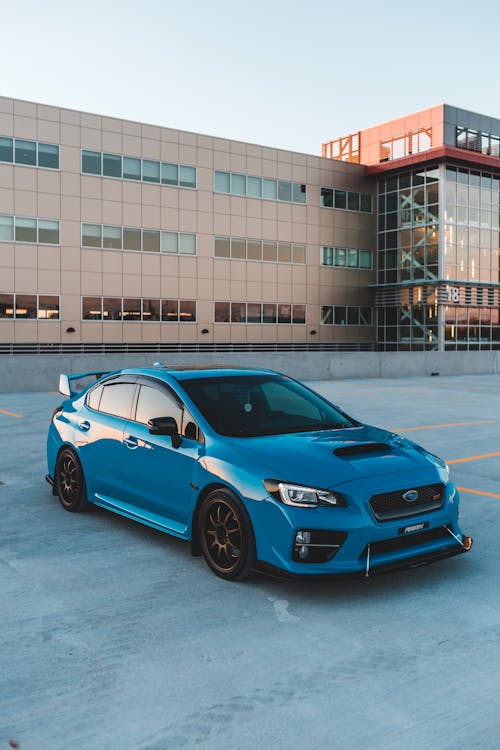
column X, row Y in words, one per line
column 165, row 426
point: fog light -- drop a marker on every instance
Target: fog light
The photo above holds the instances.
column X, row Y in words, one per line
column 302, row 537
column 303, row 553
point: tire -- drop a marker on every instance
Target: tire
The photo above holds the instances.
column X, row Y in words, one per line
column 226, row 536
column 70, row 482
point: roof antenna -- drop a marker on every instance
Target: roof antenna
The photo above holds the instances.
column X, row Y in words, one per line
column 158, row 364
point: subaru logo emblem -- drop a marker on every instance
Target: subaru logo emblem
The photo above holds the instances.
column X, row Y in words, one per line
column 410, row 496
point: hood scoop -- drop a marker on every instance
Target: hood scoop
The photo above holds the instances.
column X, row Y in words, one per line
column 360, row 448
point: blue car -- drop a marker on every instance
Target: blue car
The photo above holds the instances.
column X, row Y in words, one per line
column 254, row 469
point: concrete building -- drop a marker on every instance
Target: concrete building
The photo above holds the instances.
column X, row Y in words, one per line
column 122, row 236
column 116, row 234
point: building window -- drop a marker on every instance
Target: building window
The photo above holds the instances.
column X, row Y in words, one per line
column 24, row 229
column 135, row 168
column 29, row 153
column 257, row 187
column 475, row 140
column 340, row 315
column 129, row 238
column 346, row 257
column 29, row 306
column 346, row 200
column 243, row 249
column 258, row 312
column 137, row 309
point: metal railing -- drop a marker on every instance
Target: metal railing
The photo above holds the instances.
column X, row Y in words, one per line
column 11, row 348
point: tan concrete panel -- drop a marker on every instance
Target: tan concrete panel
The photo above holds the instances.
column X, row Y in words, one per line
column 48, row 282
column 7, row 278
column 6, row 176
column 6, row 105
column 91, row 138
column 151, row 217
column 25, row 127
column 112, row 213
column 70, row 258
column 25, row 330
column 69, row 210
column 71, row 159
column 49, row 257
column 150, row 149
column 70, row 282
column 112, row 285
column 25, row 280
column 25, row 203
column 6, row 124
column 49, row 206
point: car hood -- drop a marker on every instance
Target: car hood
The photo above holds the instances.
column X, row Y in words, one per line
column 332, row 457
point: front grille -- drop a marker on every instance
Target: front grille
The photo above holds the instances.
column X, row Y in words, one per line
column 392, row 505
column 406, row 542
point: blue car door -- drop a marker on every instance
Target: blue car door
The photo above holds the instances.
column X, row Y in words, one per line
column 157, row 477
column 99, row 435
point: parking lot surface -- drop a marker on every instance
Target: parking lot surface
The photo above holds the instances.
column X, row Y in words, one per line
column 113, row 637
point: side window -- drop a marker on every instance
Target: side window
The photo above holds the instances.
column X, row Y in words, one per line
column 116, row 398
column 94, row 398
column 155, row 403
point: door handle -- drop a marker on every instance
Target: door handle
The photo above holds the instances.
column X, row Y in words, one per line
column 84, row 425
column 131, row 443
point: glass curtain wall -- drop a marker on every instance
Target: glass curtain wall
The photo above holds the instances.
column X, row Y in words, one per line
column 439, row 260
column 408, row 241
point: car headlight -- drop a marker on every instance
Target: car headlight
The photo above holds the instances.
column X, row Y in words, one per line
column 302, row 497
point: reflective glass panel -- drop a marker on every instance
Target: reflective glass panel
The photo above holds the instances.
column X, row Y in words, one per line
column 91, row 162
column 222, row 182
column 170, row 310
column 111, row 308
column 238, row 312
column 131, row 168
column 6, row 228
column 112, row 237
column 116, row 399
column 169, row 174
column 48, row 307
column 284, row 252
column 326, row 198
column 284, row 191
column 151, row 240
column 131, row 239
column 299, row 253
column 150, row 309
column 327, row 315
column 111, row 165
column 299, row 313
column 340, row 316
column 254, row 250
column 187, row 311
column 269, row 189
column 169, row 242
column 25, row 152
column 7, row 150
column 187, row 176
column 254, row 312
column 222, row 247
column 48, row 232
column 91, row 308
column 340, row 199
column 6, row 305
column 91, row 235
column 328, row 256
column 352, row 258
column 131, row 309
column 222, row 312
column 150, row 171
column 353, row 201
column 238, row 248
column 365, row 259
column 269, row 251
column 284, row 313
column 48, row 156
column 25, row 230
column 268, row 313
column 340, row 256
column 187, row 244
column 254, row 187
column 238, row 184
column 298, row 192
column 26, row 306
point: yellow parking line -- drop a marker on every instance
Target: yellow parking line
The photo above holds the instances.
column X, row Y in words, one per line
column 11, row 413
column 477, row 492
column 437, row 426
column 473, row 458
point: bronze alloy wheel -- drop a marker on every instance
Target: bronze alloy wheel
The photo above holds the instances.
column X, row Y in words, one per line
column 69, row 481
column 226, row 536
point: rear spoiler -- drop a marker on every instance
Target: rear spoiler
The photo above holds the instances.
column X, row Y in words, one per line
column 65, row 380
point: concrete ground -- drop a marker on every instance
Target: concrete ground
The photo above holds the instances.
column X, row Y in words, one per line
column 113, row 637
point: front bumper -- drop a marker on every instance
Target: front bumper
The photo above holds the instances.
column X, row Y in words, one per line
column 416, row 561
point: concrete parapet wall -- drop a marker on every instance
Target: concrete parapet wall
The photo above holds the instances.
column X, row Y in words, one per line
column 41, row 372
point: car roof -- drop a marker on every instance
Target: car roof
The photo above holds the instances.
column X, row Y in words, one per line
column 190, row 372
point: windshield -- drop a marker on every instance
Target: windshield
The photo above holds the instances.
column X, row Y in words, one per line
column 253, row 405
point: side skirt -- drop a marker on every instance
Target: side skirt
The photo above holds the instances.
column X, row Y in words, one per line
column 140, row 515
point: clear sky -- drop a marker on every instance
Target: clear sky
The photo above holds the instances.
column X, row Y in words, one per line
column 282, row 73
